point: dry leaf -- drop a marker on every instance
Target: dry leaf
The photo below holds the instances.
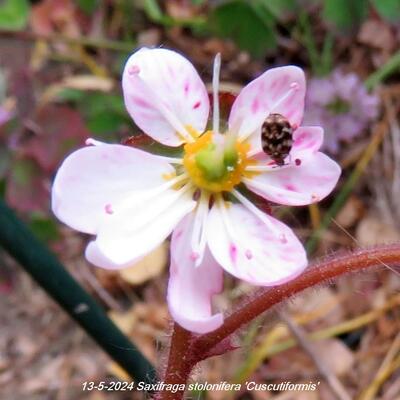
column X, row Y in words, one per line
column 351, row 212
column 125, row 321
column 377, row 33
column 336, row 355
column 372, row 230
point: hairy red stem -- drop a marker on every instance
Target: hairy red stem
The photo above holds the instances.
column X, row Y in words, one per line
column 180, row 364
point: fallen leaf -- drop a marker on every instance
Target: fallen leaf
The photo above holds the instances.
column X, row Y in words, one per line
column 351, row 212
column 377, row 33
column 61, row 130
column 372, row 230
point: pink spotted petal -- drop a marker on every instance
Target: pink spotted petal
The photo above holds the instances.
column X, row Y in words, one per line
column 92, row 181
column 191, row 288
column 140, row 224
column 278, row 90
column 307, row 140
column 261, row 253
column 159, row 76
column 300, row 185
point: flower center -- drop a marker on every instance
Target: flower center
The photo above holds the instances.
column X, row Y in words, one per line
column 216, row 162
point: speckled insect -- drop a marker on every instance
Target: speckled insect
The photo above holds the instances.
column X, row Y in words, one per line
column 277, row 137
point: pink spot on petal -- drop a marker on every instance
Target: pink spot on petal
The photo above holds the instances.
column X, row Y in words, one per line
column 255, row 106
column 108, row 209
column 294, row 86
column 290, row 187
column 133, row 70
column 196, row 105
column 233, row 253
column 282, row 238
column 141, row 103
column 297, row 161
column 194, row 255
column 249, row 254
column 186, row 88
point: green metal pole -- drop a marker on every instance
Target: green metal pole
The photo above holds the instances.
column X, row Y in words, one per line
column 46, row 270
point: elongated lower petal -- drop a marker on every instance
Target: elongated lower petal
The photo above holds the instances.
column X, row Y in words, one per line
column 191, row 288
column 140, row 224
column 163, row 93
column 304, row 184
column 94, row 180
column 278, row 90
column 259, row 252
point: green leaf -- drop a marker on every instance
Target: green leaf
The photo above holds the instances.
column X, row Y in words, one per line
column 104, row 113
column 14, row 14
column 249, row 25
column 153, row 10
column 87, row 6
column 280, row 9
column 102, row 123
column 70, row 95
column 345, row 14
column 388, row 9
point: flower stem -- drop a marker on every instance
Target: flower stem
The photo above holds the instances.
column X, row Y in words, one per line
column 313, row 276
column 185, row 352
column 179, row 365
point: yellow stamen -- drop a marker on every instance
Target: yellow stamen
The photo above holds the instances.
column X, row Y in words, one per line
column 230, row 178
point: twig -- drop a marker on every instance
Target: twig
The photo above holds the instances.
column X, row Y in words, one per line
column 389, row 364
column 270, row 345
column 299, row 333
column 91, row 279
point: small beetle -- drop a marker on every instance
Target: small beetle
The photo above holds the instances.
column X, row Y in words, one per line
column 277, row 137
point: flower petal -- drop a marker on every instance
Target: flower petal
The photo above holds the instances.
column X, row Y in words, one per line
column 278, row 90
column 140, row 224
column 94, row 179
column 259, row 252
column 191, row 288
column 160, row 81
column 95, row 256
column 307, row 183
column 306, row 140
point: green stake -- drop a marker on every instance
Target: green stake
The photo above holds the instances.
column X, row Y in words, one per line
column 47, row 271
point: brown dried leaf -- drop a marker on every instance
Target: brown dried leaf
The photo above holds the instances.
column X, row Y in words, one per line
column 376, row 33
column 372, row 231
column 351, row 212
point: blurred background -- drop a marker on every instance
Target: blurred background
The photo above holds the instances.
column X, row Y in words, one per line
column 60, row 69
